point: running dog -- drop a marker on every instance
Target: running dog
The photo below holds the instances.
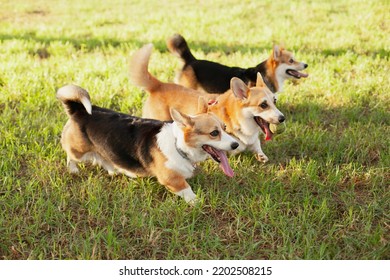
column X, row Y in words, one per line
column 213, row 77
column 142, row 147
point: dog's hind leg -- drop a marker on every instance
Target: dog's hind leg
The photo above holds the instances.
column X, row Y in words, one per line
column 98, row 159
column 72, row 165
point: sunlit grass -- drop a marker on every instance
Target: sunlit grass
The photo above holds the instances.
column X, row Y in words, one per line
column 323, row 195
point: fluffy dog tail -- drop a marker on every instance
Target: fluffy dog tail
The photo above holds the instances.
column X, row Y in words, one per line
column 177, row 45
column 75, row 99
column 139, row 73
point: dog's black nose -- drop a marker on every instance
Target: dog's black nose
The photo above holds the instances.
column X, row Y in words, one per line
column 305, row 65
column 234, row 145
column 281, row 119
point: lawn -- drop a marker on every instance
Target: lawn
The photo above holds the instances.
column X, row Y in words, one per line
column 324, row 194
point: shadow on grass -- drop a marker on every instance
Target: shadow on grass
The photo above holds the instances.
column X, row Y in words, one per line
column 382, row 53
column 343, row 135
column 89, row 43
column 86, row 43
column 308, row 112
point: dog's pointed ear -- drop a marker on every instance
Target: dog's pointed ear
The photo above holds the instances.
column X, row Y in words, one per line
column 239, row 88
column 260, row 81
column 180, row 118
column 276, row 52
column 202, row 105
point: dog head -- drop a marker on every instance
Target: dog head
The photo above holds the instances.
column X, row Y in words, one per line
column 203, row 136
column 257, row 106
column 286, row 65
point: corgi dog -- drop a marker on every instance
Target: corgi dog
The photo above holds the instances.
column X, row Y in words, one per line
column 213, row 77
column 244, row 110
column 142, row 147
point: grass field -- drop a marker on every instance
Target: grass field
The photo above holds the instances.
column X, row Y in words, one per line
column 323, row 195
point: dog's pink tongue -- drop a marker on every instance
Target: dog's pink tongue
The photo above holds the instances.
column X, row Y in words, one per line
column 304, row 75
column 268, row 133
column 224, row 165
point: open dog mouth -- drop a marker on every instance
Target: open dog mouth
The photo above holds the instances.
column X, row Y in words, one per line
column 264, row 125
column 296, row 74
column 220, row 157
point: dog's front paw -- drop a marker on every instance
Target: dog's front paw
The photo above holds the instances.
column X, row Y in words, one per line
column 262, row 158
column 188, row 196
column 193, row 201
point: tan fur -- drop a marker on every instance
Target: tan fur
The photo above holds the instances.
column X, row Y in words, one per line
column 280, row 56
column 188, row 79
column 73, row 141
column 230, row 110
column 272, row 64
column 200, row 131
column 172, row 180
column 274, row 60
column 158, row 103
column 162, row 96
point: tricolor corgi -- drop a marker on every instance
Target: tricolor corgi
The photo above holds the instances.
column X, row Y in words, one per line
column 142, row 147
column 244, row 110
column 213, row 77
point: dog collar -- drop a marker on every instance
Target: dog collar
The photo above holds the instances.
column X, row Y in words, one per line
column 181, row 152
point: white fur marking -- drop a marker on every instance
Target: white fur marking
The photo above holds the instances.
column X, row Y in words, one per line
column 166, row 142
column 126, row 172
column 271, row 116
column 87, row 104
column 188, row 195
column 96, row 159
column 72, row 166
column 281, row 76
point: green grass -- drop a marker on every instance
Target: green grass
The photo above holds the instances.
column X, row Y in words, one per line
column 323, row 195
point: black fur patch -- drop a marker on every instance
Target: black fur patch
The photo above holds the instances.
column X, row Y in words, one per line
column 215, row 77
column 120, row 138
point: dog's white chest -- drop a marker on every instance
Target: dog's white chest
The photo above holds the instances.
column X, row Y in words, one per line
column 246, row 140
column 167, row 144
column 185, row 168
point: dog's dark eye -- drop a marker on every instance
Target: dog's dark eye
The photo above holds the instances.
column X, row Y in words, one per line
column 291, row 60
column 214, row 133
column 264, row 105
column 275, row 101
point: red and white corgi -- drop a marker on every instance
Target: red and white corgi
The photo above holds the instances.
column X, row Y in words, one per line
column 244, row 110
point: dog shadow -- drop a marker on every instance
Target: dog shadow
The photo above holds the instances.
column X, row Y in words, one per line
column 342, row 135
column 90, row 44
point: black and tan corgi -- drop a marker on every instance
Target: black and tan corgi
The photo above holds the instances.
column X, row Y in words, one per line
column 213, row 77
column 142, row 147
